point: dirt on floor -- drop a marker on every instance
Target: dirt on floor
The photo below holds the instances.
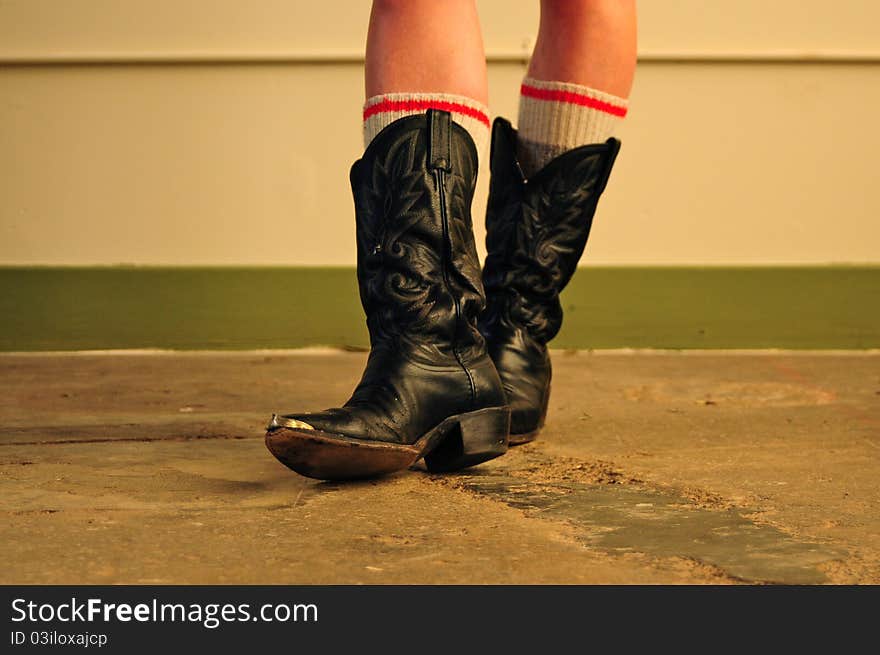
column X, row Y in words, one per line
column 653, row 468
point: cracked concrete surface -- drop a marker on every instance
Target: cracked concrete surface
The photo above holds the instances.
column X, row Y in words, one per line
column 653, row 468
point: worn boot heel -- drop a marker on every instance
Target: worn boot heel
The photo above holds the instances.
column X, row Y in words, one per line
column 471, row 439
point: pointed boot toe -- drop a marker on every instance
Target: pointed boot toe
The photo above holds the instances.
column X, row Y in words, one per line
column 329, row 456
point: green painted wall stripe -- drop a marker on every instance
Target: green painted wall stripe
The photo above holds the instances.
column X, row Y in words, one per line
column 245, row 308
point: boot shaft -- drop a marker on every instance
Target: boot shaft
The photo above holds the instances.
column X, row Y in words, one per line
column 418, row 272
column 536, row 231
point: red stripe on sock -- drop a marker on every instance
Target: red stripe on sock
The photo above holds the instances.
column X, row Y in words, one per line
column 425, row 105
column 573, row 98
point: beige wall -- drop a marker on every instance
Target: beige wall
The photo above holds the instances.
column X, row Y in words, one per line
column 220, row 132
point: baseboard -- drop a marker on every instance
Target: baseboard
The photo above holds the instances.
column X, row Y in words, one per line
column 815, row 307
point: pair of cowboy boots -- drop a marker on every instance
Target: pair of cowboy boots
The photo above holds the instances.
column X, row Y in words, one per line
column 458, row 365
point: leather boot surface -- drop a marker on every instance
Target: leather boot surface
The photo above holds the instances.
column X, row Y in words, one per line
column 536, row 230
column 429, row 389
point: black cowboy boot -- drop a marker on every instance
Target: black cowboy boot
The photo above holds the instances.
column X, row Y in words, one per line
column 430, row 389
column 536, row 230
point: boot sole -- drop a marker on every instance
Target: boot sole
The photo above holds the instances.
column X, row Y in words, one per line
column 526, row 437
column 458, row 442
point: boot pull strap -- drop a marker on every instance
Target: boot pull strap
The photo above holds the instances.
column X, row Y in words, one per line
column 439, row 138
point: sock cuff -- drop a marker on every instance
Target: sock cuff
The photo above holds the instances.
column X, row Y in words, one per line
column 412, row 103
column 557, row 116
column 574, row 94
column 382, row 110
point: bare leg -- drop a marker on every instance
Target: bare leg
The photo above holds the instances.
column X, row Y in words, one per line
column 587, row 42
column 426, row 46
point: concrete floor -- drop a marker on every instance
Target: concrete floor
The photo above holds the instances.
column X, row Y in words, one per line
column 653, row 468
